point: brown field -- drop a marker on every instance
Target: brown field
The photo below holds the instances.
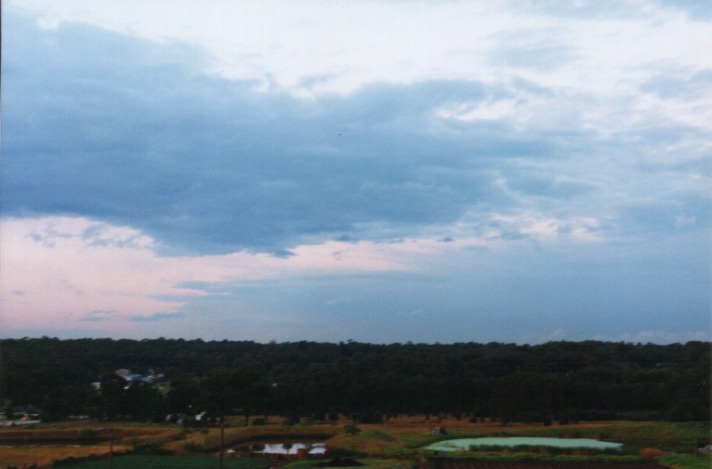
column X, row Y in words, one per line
column 397, row 438
column 51, row 442
column 56, row 434
column 44, row 456
column 396, row 435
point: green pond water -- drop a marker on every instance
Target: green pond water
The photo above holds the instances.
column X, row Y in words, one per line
column 464, row 444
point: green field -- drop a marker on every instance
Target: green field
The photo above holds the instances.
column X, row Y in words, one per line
column 204, row 462
column 171, row 462
column 685, row 461
column 399, row 442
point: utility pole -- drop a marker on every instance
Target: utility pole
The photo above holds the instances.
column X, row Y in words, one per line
column 111, row 447
column 222, row 439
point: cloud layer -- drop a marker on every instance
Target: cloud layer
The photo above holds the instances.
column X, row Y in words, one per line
column 162, row 163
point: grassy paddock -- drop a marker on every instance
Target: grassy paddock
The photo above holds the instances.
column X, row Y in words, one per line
column 209, row 439
column 374, row 463
column 526, row 456
column 172, row 462
column 44, row 456
column 396, row 439
column 408, row 437
column 129, row 433
column 682, row 437
column 685, row 461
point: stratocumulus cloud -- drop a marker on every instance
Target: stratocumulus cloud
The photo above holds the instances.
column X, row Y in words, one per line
column 295, row 169
column 63, row 260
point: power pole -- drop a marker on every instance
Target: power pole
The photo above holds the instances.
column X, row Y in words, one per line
column 111, row 447
column 222, row 439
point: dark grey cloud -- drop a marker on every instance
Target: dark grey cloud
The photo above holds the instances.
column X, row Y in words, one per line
column 117, row 129
column 130, row 132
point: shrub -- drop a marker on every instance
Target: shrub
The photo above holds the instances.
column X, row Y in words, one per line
column 148, row 448
column 192, row 446
column 87, row 436
column 351, row 429
column 370, row 416
column 650, row 453
column 378, row 435
column 290, row 421
column 530, row 417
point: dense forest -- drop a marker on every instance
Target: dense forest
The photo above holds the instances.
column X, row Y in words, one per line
column 556, row 381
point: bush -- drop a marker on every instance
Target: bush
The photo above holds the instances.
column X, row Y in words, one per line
column 290, row 421
column 192, row 446
column 369, row 416
column 87, row 436
column 530, row 417
column 379, row 435
column 650, row 453
column 148, row 448
column 351, row 429
column 259, row 422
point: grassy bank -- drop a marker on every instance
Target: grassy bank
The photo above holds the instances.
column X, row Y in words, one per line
column 685, row 461
column 173, row 462
column 681, row 437
column 400, row 439
column 44, row 456
column 207, row 440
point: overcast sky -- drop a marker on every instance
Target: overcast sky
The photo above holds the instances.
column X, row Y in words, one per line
column 382, row 171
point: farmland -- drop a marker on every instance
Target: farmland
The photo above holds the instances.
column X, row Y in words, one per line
column 379, row 404
column 397, row 442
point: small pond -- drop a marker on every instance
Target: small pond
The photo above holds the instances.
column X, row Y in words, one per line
column 464, row 444
column 289, row 448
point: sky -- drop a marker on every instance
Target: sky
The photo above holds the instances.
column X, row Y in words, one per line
column 377, row 171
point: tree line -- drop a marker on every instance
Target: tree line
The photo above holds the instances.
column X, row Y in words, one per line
column 555, row 381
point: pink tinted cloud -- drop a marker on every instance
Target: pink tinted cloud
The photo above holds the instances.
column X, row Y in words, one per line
column 57, row 270
column 62, row 271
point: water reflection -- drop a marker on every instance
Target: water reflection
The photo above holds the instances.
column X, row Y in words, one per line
column 289, row 448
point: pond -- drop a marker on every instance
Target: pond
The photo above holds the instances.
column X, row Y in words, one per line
column 464, row 444
column 289, row 448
